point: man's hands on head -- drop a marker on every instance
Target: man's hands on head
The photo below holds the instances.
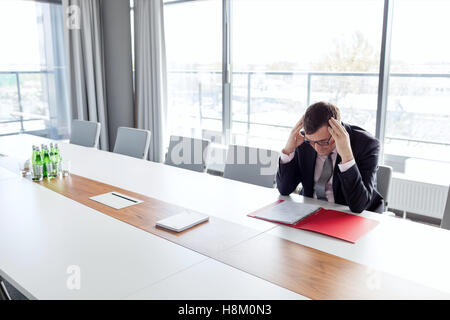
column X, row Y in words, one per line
column 340, row 136
column 336, row 129
column 295, row 138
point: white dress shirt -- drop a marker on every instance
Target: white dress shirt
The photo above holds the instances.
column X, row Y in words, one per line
column 320, row 160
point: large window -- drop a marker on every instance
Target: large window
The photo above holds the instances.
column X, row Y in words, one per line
column 33, row 90
column 418, row 111
column 286, row 54
column 194, row 62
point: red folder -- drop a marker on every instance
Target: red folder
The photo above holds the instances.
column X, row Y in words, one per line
column 337, row 224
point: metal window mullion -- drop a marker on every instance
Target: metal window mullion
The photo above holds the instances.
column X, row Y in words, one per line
column 226, row 71
column 249, row 100
column 19, row 100
column 308, row 89
column 383, row 79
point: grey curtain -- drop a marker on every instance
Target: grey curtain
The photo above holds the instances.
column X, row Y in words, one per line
column 53, row 50
column 85, row 59
column 150, row 75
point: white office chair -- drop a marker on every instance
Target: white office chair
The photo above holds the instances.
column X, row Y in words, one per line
column 85, row 133
column 384, row 178
column 187, row 153
column 251, row 165
column 445, row 223
column 132, row 142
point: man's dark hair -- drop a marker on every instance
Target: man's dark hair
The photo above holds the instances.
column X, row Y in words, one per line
column 318, row 114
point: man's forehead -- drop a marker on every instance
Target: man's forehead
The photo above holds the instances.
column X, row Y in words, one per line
column 320, row 134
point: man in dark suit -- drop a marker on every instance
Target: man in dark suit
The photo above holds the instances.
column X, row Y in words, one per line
column 334, row 161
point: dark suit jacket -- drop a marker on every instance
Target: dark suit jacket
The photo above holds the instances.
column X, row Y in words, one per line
column 355, row 187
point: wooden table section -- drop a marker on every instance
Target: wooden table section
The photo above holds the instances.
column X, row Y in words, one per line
column 208, row 238
column 307, row 271
column 319, row 275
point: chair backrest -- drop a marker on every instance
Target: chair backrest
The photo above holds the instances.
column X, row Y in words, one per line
column 187, row 153
column 251, row 165
column 384, row 178
column 132, row 142
column 85, row 133
column 445, row 223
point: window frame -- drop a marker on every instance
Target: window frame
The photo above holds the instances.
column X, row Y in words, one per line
column 384, row 73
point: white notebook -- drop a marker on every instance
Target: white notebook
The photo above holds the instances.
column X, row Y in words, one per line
column 289, row 212
column 182, row 221
column 116, row 200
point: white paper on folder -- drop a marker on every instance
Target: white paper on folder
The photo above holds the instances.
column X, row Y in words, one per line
column 182, row 221
column 288, row 212
column 116, row 200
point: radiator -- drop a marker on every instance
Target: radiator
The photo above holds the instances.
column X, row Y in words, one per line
column 418, row 197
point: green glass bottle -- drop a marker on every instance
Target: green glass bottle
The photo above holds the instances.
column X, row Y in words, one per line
column 57, row 152
column 37, row 162
column 58, row 160
column 54, row 159
column 46, row 161
column 42, row 152
column 38, row 156
column 33, row 155
column 50, row 164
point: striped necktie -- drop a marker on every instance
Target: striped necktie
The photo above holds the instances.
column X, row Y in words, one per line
column 327, row 172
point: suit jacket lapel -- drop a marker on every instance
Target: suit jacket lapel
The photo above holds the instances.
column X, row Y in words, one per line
column 335, row 175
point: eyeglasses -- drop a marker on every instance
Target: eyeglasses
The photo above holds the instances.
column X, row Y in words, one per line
column 320, row 142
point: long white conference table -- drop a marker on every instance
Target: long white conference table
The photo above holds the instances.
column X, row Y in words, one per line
column 45, row 236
